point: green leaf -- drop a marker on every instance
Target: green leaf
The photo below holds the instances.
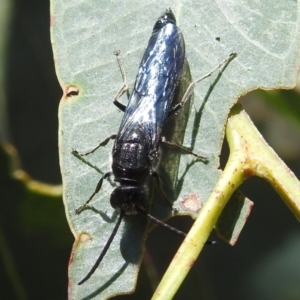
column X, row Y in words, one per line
column 84, row 36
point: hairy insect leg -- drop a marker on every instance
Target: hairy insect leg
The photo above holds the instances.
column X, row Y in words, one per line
column 102, row 144
column 183, row 149
column 124, row 86
column 97, row 189
column 191, row 87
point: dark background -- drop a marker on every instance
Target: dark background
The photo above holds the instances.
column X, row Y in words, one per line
column 35, row 237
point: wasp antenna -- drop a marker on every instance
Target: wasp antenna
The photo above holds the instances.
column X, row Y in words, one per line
column 161, row 223
column 107, row 245
column 167, row 226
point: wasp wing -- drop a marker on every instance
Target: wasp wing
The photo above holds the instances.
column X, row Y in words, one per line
column 158, row 76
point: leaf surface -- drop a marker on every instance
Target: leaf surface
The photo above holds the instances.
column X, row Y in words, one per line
column 84, row 36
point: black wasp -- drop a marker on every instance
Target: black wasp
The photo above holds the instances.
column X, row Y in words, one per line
column 136, row 149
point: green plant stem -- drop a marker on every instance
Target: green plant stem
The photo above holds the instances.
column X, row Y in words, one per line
column 249, row 155
column 200, row 231
column 261, row 159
